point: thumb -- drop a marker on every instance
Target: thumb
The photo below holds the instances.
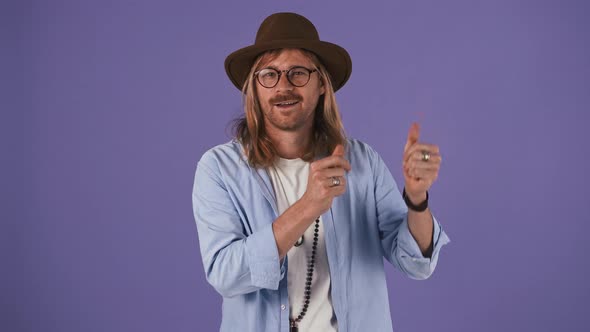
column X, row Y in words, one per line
column 339, row 150
column 413, row 135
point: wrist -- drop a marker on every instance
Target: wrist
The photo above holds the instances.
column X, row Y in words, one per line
column 307, row 208
column 416, row 199
column 416, row 202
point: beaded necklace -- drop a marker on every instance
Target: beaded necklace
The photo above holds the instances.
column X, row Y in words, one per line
column 310, row 267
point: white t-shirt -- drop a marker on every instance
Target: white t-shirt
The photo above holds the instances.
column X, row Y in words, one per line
column 289, row 180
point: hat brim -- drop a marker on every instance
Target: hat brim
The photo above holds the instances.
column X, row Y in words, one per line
column 335, row 58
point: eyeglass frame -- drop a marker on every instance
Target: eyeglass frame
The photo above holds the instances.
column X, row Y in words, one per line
column 310, row 71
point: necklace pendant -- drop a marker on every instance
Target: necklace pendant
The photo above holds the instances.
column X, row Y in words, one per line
column 293, row 329
column 299, row 241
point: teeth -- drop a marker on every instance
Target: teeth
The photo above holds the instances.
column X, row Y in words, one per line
column 289, row 103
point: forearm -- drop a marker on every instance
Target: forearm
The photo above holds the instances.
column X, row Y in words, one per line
column 290, row 225
column 421, row 227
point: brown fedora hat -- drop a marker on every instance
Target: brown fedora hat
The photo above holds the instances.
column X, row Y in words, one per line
column 289, row 30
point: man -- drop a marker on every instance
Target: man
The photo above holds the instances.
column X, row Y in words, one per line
column 293, row 217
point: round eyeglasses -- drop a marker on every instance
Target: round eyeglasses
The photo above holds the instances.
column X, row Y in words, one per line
column 297, row 76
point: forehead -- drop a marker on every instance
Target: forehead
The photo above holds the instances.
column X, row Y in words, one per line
column 286, row 58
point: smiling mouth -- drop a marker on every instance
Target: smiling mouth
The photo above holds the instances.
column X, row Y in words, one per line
column 287, row 103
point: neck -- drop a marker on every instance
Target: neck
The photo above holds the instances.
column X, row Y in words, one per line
column 290, row 144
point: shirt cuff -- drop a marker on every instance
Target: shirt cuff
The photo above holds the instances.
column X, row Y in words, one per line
column 409, row 246
column 263, row 258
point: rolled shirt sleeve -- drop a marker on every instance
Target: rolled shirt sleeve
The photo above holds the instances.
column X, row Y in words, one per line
column 235, row 262
column 409, row 257
column 263, row 256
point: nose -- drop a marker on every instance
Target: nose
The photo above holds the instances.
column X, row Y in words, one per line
column 284, row 83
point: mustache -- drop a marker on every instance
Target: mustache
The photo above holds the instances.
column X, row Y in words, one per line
column 285, row 97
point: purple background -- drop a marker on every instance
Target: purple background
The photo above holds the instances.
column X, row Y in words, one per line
column 110, row 104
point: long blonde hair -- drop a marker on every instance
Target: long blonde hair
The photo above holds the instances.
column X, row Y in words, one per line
column 249, row 130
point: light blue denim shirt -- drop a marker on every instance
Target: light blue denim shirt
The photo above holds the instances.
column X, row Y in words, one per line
column 234, row 208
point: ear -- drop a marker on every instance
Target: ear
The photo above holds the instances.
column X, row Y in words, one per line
column 322, row 87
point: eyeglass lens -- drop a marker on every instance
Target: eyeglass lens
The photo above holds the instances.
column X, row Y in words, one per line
column 269, row 77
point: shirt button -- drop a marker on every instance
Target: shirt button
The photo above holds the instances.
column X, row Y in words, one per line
column 283, row 307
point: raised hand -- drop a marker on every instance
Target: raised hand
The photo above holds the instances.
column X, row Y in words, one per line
column 421, row 163
column 326, row 180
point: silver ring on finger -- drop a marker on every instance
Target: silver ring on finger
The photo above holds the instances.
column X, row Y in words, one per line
column 425, row 156
column 335, row 181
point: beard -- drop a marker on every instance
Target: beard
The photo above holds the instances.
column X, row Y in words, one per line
column 292, row 119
